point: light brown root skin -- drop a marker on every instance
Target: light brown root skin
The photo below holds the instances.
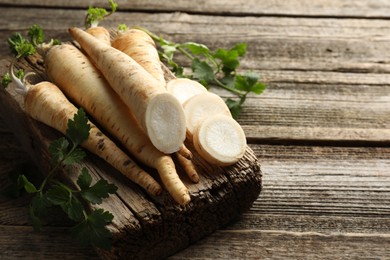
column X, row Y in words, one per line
column 188, row 167
column 167, row 171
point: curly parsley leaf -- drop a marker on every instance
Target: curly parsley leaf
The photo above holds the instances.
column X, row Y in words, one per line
column 97, row 14
column 93, row 229
column 36, row 35
column 6, row 80
column 20, row 46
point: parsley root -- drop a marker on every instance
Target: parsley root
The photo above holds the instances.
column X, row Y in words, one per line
column 202, row 106
column 76, row 76
column 46, row 103
column 220, row 140
column 100, row 33
column 159, row 113
column 141, row 47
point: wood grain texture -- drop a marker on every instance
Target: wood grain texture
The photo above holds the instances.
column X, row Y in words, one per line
column 320, row 130
column 327, row 8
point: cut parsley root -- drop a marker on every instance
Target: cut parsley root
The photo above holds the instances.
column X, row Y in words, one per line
column 202, row 106
column 158, row 112
column 46, row 103
column 183, row 88
column 84, row 84
column 220, row 140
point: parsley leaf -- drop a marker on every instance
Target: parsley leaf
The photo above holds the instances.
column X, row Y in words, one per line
column 202, row 71
column 249, row 83
column 58, row 149
column 6, row 80
column 26, row 184
column 96, row 14
column 100, row 190
column 20, row 46
column 36, row 35
column 78, row 128
column 93, row 229
column 84, row 180
column 62, row 196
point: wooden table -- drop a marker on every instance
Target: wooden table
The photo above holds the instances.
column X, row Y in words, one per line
column 321, row 130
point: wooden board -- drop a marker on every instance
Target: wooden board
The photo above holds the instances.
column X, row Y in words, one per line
column 145, row 227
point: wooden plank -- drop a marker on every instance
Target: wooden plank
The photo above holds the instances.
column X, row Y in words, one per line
column 354, row 71
column 341, row 45
column 327, row 8
column 288, row 245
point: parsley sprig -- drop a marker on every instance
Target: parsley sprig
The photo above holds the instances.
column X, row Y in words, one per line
column 97, row 14
column 91, row 225
column 209, row 67
column 22, row 47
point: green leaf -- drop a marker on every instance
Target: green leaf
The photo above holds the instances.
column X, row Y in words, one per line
column 36, row 35
column 240, row 48
column 63, row 197
column 93, row 229
column 196, row 48
column 99, row 191
column 94, row 16
column 234, row 106
column 76, row 156
column 78, row 128
column 228, row 58
column 58, row 149
column 84, row 180
column 38, row 210
column 249, row 83
column 23, row 182
column 202, row 71
column 6, row 80
column 20, row 46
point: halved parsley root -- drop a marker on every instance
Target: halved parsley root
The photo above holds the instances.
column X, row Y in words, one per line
column 101, row 33
column 202, row 106
column 141, row 47
column 46, row 103
column 183, row 88
column 74, row 73
column 220, row 140
column 158, row 112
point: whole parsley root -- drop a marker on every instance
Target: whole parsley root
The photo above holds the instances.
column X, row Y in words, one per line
column 46, row 103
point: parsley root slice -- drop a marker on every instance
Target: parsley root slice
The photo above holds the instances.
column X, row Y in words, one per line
column 183, row 88
column 46, row 103
column 220, row 140
column 158, row 112
column 76, row 76
column 202, row 106
column 100, row 33
column 141, row 47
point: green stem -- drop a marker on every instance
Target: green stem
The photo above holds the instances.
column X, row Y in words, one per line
column 235, row 91
column 186, row 53
column 53, row 171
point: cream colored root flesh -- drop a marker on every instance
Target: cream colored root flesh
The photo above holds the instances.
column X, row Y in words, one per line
column 159, row 113
column 220, row 140
column 202, row 106
column 141, row 47
column 74, row 73
column 47, row 104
